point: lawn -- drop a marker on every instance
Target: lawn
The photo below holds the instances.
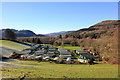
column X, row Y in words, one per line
column 51, row 70
column 66, row 46
column 12, row 45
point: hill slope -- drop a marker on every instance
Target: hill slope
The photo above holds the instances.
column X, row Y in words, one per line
column 13, row 45
column 101, row 38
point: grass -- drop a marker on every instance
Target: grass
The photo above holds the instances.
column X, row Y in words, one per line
column 12, row 45
column 67, row 46
column 51, row 70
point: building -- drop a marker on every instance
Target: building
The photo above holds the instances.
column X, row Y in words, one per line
column 40, row 52
column 64, row 53
column 79, row 51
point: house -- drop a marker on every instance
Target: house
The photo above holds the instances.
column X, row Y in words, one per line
column 85, row 58
column 64, row 53
column 44, row 47
column 36, row 46
column 52, row 50
column 38, row 57
column 46, row 57
column 40, row 52
column 24, row 56
column 65, row 56
column 31, row 57
column 56, row 58
column 79, row 51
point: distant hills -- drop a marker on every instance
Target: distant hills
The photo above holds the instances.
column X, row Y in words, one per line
column 59, row 33
column 29, row 33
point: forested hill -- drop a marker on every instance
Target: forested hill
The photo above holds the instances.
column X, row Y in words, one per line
column 98, row 30
column 102, row 38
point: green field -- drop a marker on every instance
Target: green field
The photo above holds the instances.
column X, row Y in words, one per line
column 65, row 47
column 51, row 70
column 12, row 45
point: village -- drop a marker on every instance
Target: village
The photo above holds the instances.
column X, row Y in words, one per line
column 56, row 55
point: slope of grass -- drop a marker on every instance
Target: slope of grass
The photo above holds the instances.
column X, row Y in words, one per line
column 51, row 70
column 12, row 45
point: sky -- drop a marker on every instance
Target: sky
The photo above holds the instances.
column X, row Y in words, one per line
column 48, row 17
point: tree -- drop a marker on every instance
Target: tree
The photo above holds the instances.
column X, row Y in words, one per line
column 60, row 36
column 9, row 34
column 74, row 43
column 66, row 36
column 33, row 40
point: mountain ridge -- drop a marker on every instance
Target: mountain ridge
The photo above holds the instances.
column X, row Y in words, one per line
column 29, row 33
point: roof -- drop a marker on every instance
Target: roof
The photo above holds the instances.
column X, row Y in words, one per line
column 87, row 56
column 44, row 46
column 36, row 46
column 40, row 51
column 81, row 51
column 63, row 51
column 52, row 48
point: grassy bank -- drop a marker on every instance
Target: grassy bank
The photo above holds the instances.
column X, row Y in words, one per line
column 51, row 70
column 12, row 45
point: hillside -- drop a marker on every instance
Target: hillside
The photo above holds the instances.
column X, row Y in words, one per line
column 98, row 30
column 101, row 38
column 13, row 45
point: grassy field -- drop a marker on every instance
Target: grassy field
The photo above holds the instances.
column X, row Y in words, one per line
column 66, row 47
column 12, row 45
column 51, row 70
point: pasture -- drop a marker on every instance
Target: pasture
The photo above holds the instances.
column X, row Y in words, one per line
column 51, row 70
column 65, row 46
